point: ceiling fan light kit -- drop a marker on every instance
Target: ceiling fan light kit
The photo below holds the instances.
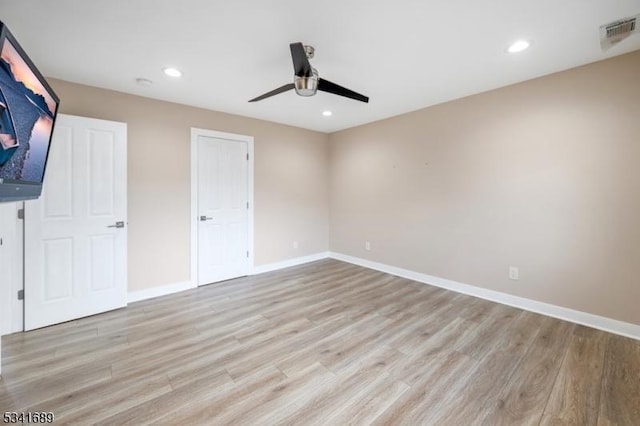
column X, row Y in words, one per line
column 306, row 86
column 306, row 81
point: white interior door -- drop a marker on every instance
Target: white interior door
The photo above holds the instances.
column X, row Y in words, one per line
column 75, row 234
column 223, row 209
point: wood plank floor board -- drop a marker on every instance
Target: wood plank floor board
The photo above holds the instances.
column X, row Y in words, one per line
column 322, row 343
column 434, row 300
column 251, row 289
column 278, row 344
column 380, row 359
column 325, row 406
column 575, row 397
column 620, row 391
column 219, row 328
column 203, row 409
column 98, row 402
column 204, row 388
column 310, row 347
column 372, row 405
column 143, row 360
column 430, row 394
column 348, row 350
column 62, row 363
column 262, row 330
column 62, row 335
column 447, row 317
column 208, row 359
column 523, row 398
column 29, row 393
column 307, row 309
column 253, row 356
column 272, row 404
column 422, row 321
column 415, row 366
column 489, row 332
column 466, row 403
column 476, row 310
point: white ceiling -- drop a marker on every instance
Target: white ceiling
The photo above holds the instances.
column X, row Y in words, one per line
column 403, row 54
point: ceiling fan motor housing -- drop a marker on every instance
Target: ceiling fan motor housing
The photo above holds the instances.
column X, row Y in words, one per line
column 306, row 86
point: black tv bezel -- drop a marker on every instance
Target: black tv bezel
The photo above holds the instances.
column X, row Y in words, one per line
column 15, row 190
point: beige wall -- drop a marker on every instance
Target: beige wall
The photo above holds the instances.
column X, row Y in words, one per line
column 543, row 175
column 291, row 166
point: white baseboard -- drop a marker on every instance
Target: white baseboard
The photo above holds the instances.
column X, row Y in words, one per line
column 150, row 293
column 136, row 296
column 590, row 320
column 289, row 263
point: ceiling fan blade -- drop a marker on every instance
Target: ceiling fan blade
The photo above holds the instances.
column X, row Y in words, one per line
column 273, row 92
column 327, row 86
column 301, row 65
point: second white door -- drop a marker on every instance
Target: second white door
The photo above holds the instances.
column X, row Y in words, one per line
column 223, row 209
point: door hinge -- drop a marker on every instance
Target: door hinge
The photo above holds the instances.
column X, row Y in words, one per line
column 20, row 213
column 247, row 157
column 20, row 294
column 247, row 205
column 247, row 253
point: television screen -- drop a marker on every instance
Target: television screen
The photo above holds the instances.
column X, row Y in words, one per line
column 28, row 108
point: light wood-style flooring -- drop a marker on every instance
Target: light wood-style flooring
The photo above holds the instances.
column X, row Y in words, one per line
column 326, row 343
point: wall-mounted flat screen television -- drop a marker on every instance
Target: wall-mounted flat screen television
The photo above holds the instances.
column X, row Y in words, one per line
column 28, row 108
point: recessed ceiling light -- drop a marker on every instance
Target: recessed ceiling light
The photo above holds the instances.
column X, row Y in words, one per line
column 519, row 46
column 327, row 113
column 172, row 72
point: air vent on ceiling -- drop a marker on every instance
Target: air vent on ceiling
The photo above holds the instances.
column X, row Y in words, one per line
column 617, row 31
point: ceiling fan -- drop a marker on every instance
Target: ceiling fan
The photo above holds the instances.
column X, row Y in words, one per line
column 306, row 80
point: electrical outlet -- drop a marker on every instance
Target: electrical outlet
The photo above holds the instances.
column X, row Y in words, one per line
column 295, row 245
column 367, row 245
column 514, row 273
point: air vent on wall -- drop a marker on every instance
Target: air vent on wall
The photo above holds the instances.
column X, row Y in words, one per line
column 618, row 29
column 615, row 32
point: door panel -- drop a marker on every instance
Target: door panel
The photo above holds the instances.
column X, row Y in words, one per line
column 60, row 183
column 222, row 209
column 101, row 173
column 75, row 258
column 57, row 274
column 102, row 262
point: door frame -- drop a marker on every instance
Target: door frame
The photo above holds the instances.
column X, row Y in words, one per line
column 195, row 133
column 12, row 233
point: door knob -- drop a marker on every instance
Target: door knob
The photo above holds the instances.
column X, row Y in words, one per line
column 117, row 225
column 205, row 218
